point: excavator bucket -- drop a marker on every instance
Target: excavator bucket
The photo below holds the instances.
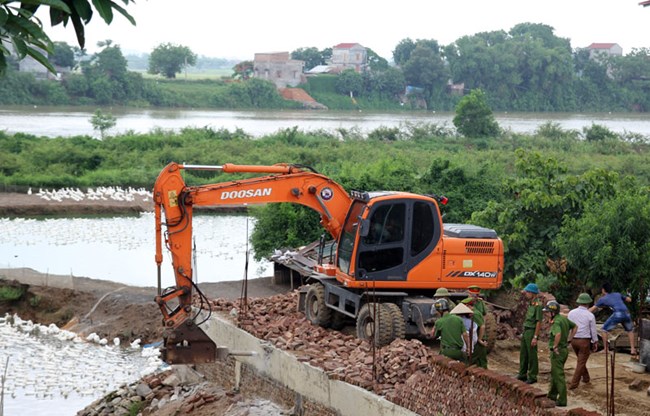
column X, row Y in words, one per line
column 188, row 344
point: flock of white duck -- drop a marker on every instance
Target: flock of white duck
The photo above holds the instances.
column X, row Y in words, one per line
column 46, row 363
column 102, row 193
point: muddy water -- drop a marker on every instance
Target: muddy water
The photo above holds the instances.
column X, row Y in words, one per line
column 53, row 372
column 70, row 121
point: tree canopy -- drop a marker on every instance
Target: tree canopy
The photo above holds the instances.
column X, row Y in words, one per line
column 169, row 59
column 22, row 29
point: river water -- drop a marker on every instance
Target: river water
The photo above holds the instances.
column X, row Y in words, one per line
column 70, row 121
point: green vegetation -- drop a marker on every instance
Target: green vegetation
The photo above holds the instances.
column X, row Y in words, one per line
column 11, row 292
column 571, row 211
column 102, row 122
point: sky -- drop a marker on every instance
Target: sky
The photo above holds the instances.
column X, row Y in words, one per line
column 239, row 29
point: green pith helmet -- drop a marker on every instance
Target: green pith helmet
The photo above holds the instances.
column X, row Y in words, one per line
column 584, row 299
column 441, row 305
column 468, row 301
column 441, row 292
column 553, row 307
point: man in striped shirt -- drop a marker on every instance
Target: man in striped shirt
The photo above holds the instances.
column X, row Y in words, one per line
column 585, row 339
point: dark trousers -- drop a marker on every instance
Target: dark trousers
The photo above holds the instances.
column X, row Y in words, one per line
column 582, row 348
column 557, row 390
column 528, row 362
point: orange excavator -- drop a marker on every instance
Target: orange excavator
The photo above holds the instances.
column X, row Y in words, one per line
column 391, row 251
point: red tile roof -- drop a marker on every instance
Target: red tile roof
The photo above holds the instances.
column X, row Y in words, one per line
column 345, row 45
column 601, row 45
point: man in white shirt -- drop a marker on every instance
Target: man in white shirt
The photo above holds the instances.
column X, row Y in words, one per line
column 585, row 339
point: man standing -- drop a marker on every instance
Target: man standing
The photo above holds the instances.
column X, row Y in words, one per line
column 479, row 352
column 584, row 340
column 621, row 315
column 451, row 331
column 528, row 361
column 443, row 293
column 478, row 305
column 562, row 331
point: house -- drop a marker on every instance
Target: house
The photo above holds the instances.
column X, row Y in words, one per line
column 349, row 55
column 600, row 50
column 279, row 68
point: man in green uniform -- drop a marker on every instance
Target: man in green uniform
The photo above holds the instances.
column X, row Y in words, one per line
column 528, row 362
column 451, row 331
column 443, row 293
column 561, row 333
column 479, row 355
column 479, row 305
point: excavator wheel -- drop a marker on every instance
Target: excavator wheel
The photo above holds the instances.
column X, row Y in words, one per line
column 315, row 309
column 399, row 326
column 490, row 330
column 375, row 322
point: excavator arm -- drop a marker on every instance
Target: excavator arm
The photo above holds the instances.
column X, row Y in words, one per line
column 185, row 342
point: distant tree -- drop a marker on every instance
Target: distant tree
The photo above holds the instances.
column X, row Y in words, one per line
column 20, row 26
column 376, row 62
column 103, row 122
column 474, row 117
column 168, row 59
column 63, row 55
column 349, row 82
column 402, row 51
column 312, row 57
column 243, row 70
column 426, row 69
column 390, row 82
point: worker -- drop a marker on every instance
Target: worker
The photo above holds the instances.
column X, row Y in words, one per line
column 451, row 331
column 443, row 293
column 560, row 334
column 585, row 339
column 528, row 360
column 621, row 315
column 479, row 353
column 479, row 305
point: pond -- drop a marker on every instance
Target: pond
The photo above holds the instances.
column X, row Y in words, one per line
column 122, row 249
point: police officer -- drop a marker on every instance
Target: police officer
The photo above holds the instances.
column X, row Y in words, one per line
column 451, row 331
column 528, row 360
column 443, row 293
column 479, row 355
column 478, row 305
column 561, row 333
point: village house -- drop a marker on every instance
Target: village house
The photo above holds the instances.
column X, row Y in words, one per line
column 598, row 51
column 279, row 68
column 349, row 55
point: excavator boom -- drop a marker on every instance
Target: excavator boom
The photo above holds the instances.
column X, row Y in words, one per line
column 184, row 341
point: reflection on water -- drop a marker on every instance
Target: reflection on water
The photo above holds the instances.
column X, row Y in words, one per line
column 122, row 249
column 53, row 372
column 71, row 121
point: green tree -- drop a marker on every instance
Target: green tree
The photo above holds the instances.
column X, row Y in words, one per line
column 102, row 122
column 349, row 82
column 402, row 51
column 312, row 56
column 474, row 117
column 169, row 59
column 63, row 55
column 390, row 83
column 425, row 68
column 610, row 242
column 376, row 62
column 24, row 30
column 243, row 70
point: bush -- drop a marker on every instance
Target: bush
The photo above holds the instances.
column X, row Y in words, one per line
column 474, row 117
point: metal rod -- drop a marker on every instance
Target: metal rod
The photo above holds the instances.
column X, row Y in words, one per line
column 201, row 167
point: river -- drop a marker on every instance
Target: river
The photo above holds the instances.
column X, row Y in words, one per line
column 71, row 121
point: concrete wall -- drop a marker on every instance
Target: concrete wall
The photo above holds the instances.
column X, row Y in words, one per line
column 288, row 381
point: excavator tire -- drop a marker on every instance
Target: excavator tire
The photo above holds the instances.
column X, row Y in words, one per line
column 490, row 330
column 316, row 310
column 375, row 322
column 399, row 326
